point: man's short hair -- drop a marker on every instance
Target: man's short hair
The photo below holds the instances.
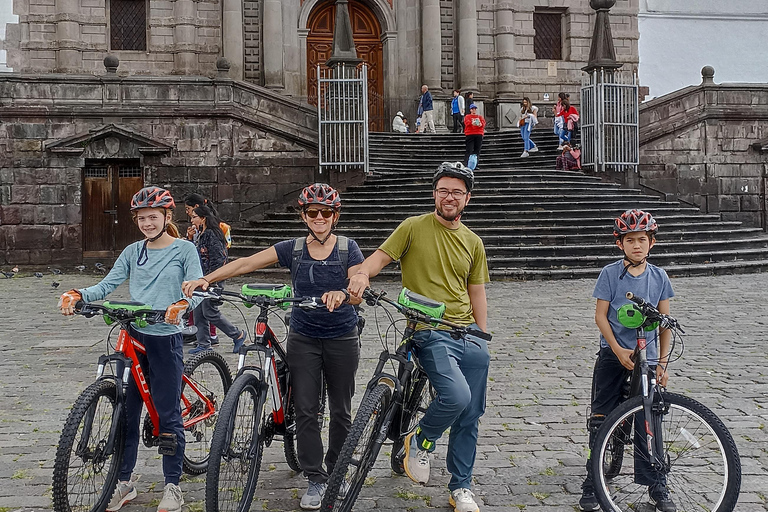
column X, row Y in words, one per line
column 425, row 86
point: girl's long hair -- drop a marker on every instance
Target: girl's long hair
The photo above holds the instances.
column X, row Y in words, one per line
column 523, row 108
column 211, row 221
column 198, row 200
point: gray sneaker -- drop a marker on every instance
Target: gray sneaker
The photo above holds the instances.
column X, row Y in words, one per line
column 314, row 495
column 416, row 461
column 124, row 492
column 172, row 499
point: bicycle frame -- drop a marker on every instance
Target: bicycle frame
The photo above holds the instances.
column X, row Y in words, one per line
column 644, row 382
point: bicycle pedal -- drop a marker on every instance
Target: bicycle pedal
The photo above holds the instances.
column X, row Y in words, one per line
column 166, row 444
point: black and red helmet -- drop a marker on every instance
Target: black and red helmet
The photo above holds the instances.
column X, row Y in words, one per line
column 152, row 197
column 455, row 170
column 320, row 193
column 634, row 221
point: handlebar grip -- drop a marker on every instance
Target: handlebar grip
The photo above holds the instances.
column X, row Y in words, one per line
column 79, row 305
column 480, row 334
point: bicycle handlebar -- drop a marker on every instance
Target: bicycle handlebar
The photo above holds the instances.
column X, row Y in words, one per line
column 665, row 321
column 306, row 303
column 150, row 316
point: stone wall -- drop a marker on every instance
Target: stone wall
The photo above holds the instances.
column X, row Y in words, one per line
column 252, row 40
column 706, row 145
column 448, row 32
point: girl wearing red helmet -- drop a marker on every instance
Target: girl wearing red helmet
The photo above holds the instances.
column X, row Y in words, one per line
column 322, row 341
column 156, row 267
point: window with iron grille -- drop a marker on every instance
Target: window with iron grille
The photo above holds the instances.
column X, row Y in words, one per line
column 548, row 41
column 128, row 24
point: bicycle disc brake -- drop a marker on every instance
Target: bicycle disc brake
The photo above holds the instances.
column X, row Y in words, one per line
column 149, row 439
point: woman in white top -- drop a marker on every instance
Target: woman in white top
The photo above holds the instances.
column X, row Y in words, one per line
column 398, row 123
column 529, row 117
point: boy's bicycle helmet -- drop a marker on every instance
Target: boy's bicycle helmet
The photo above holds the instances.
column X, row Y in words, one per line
column 634, row 221
column 455, row 170
column 320, row 193
column 152, row 197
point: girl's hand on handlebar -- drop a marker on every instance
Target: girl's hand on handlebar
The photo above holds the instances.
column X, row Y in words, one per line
column 187, row 287
column 334, row 299
column 624, row 355
column 67, row 302
column 174, row 312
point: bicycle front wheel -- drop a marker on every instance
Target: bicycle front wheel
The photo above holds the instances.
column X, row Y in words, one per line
column 86, row 464
column 210, row 374
column 700, row 464
column 359, row 452
column 236, row 450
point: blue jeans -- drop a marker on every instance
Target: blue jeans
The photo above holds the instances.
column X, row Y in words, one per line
column 566, row 134
column 525, row 132
column 458, row 372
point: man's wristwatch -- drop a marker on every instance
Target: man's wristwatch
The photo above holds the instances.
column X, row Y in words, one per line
column 346, row 295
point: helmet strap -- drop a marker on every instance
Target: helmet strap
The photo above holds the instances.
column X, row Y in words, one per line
column 631, row 264
column 143, row 254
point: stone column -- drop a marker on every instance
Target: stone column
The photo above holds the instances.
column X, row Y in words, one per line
column 431, row 43
column 505, row 49
column 69, row 57
column 232, row 36
column 273, row 44
column 185, row 60
column 468, row 45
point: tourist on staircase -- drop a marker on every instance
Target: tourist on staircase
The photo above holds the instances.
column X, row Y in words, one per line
column 570, row 160
column 474, row 129
column 398, row 123
column 529, row 117
column 557, row 110
column 570, row 118
column 457, row 111
column 426, row 108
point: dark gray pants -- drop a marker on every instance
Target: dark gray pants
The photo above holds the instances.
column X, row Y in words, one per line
column 308, row 359
column 207, row 314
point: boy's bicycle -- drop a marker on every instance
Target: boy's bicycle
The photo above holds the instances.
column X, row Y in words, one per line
column 92, row 442
column 393, row 402
column 258, row 407
column 668, row 438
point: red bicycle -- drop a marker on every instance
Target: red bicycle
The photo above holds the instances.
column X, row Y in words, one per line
column 93, row 439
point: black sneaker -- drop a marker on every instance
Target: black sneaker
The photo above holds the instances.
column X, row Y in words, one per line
column 659, row 498
column 588, row 501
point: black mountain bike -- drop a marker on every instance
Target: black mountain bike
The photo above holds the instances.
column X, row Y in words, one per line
column 672, row 437
column 258, row 407
column 392, row 403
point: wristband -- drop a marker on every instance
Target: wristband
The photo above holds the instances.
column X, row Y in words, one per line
column 346, row 295
column 206, row 281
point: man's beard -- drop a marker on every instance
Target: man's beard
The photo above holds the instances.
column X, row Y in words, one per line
column 448, row 217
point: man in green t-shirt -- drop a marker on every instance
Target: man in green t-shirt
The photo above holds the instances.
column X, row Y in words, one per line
column 442, row 259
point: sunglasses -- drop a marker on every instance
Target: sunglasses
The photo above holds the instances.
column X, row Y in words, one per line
column 312, row 214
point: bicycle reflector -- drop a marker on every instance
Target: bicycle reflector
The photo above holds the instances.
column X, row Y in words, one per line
column 131, row 306
column 421, row 303
column 270, row 291
column 630, row 317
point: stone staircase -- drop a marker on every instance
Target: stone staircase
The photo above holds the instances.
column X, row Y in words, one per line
column 536, row 223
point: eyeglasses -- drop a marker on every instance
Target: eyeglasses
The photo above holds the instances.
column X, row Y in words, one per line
column 312, row 214
column 457, row 194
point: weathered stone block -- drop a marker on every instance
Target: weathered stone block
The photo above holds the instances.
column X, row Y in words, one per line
column 750, row 203
column 202, row 174
column 30, row 237
column 28, row 131
column 17, row 256
column 10, row 215
column 25, row 194
column 729, row 203
column 53, row 194
column 739, row 185
column 43, row 214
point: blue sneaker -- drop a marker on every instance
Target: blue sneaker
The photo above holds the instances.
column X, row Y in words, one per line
column 239, row 342
column 199, row 348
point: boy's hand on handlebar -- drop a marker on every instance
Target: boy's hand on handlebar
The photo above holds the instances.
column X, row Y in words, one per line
column 662, row 375
column 624, row 355
column 68, row 300
column 175, row 310
column 187, row 287
column 334, row 299
column 358, row 283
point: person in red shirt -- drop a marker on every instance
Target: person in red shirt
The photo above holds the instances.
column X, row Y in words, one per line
column 474, row 129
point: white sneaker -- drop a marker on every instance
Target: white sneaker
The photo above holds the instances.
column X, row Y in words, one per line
column 533, row 149
column 172, row 499
column 462, row 501
column 313, row 497
column 416, row 461
column 525, row 154
column 560, row 147
column 124, row 492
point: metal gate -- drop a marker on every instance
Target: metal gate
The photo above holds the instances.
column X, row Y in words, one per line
column 342, row 113
column 609, row 122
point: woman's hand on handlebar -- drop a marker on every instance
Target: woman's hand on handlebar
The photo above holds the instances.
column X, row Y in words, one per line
column 334, row 299
column 187, row 287
column 67, row 302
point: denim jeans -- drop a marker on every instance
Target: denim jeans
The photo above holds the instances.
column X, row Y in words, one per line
column 458, row 372
column 525, row 132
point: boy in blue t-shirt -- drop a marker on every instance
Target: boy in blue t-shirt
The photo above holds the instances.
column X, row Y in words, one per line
column 635, row 232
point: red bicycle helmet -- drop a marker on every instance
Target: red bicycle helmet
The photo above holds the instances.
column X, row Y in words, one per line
column 320, row 193
column 152, row 197
column 634, row 221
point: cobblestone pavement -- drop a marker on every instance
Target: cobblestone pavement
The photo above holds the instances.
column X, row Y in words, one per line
column 532, row 437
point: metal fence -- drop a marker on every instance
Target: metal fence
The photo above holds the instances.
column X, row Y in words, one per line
column 609, row 122
column 342, row 113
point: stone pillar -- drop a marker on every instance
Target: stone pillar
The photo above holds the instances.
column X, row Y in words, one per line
column 468, row 45
column 232, row 36
column 505, row 50
column 69, row 57
column 273, row 44
column 431, row 43
column 185, row 60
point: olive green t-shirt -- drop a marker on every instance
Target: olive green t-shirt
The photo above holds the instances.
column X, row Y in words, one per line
column 439, row 263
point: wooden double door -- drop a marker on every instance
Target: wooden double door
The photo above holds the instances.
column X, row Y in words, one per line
column 108, row 187
column 367, row 34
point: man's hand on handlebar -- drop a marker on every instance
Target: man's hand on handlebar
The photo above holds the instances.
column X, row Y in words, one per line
column 67, row 302
column 358, row 283
column 187, row 287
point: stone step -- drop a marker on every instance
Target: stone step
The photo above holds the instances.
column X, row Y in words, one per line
column 538, row 196
column 493, row 179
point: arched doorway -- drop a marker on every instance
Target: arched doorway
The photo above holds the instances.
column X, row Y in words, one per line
column 367, row 34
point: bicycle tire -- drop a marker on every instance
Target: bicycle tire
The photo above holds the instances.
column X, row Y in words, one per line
column 359, row 451
column 703, row 470
column 211, row 374
column 232, row 475
column 89, row 488
column 289, row 438
column 421, row 396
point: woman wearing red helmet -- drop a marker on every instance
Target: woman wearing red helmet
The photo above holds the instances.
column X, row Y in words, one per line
column 156, row 267
column 322, row 341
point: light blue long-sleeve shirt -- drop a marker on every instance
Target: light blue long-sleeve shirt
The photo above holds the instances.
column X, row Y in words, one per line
column 157, row 283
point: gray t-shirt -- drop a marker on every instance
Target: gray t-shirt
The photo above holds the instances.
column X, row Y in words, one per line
column 652, row 285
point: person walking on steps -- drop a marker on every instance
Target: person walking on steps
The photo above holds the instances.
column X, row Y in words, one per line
column 156, row 267
column 321, row 342
column 529, row 117
column 426, row 106
column 457, row 111
column 474, row 129
column 212, row 249
column 444, row 260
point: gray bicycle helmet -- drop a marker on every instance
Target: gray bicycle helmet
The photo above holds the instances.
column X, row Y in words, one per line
column 455, row 170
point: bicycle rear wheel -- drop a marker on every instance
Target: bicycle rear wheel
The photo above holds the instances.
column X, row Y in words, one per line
column 210, row 374
column 236, row 448
column 359, row 452
column 289, row 438
column 701, row 466
column 421, row 396
column 84, row 472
